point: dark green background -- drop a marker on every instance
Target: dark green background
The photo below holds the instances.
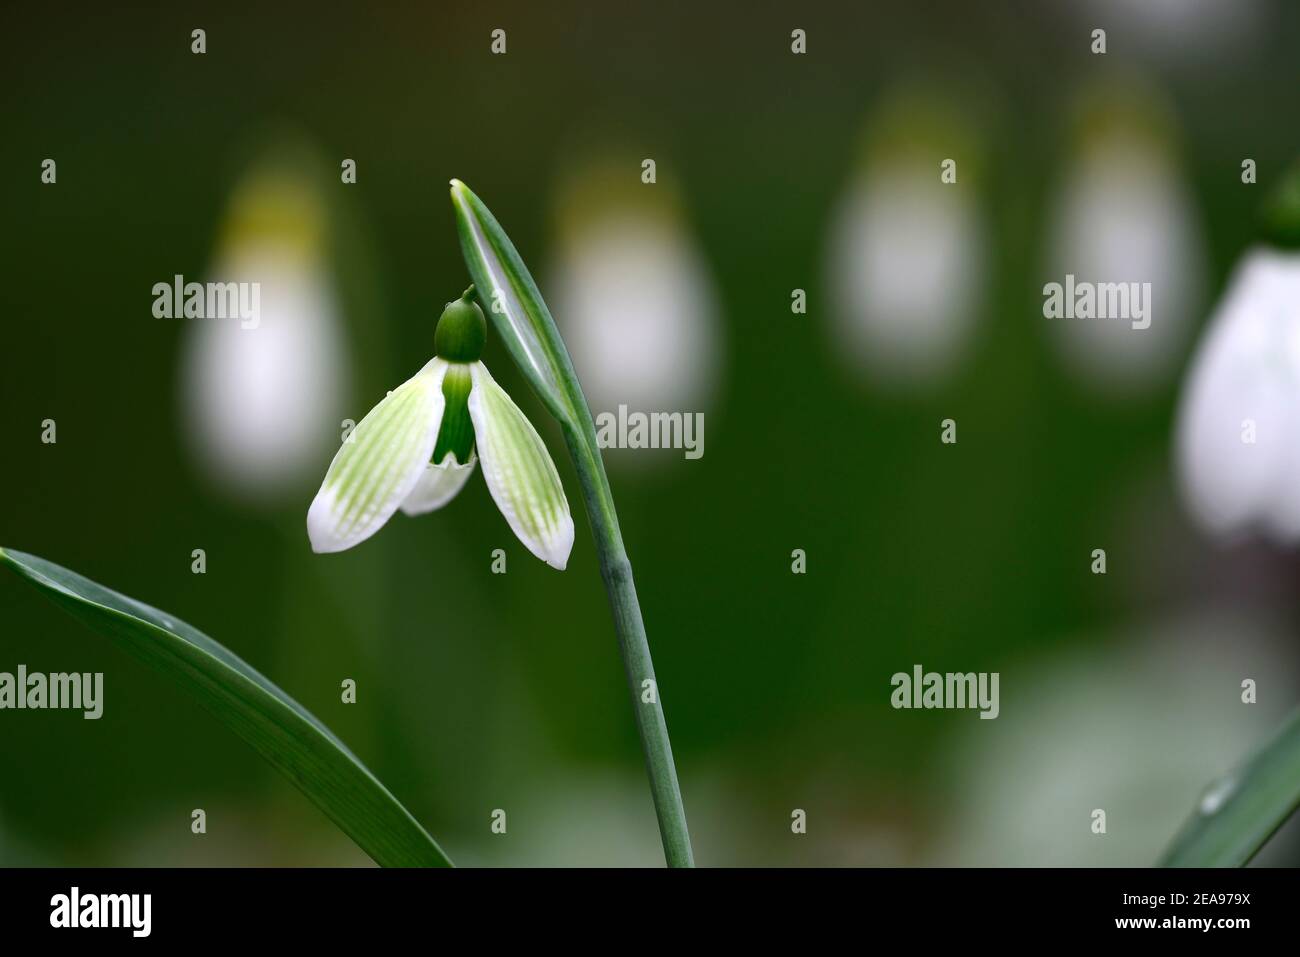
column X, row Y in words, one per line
column 479, row 691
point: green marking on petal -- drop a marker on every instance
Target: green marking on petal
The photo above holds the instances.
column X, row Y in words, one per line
column 519, row 471
column 379, row 464
column 456, row 437
column 438, row 485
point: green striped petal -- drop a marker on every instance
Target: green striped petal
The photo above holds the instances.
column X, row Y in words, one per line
column 380, row 463
column 519, row 471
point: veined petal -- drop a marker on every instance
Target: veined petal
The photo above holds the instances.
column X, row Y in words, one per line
column 519, row 471
column 379, row 464
column 438, row 485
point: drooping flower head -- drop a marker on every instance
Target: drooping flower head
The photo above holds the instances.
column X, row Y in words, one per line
column 417, row 447
column 1239, row 416
column 266, row 373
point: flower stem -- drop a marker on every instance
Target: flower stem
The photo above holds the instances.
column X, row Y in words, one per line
column 521, row 318
column 617, row 573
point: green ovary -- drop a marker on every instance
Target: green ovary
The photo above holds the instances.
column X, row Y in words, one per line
column 457, row 432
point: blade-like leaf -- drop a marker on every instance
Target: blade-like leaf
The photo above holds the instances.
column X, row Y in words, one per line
column 280, row 729
column 520, row 317
column 512, row 301
column 1239, row 813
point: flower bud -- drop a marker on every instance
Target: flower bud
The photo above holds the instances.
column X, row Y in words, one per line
column 461, row 330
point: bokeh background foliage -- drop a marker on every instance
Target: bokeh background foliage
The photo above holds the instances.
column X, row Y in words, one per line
column 479, row 691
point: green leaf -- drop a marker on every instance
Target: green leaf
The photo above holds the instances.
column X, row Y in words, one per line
column 279, row 728
column 1239, row 813
column 511, row 300
column 513, row 303
column 519, row 315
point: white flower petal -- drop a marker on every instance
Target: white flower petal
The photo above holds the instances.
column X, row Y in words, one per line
column 265, row 382
column 907, row 272
column 1124, row 214
column 519, row 471
column 1239, row 417
column 380, row 463
column 657, row 349
column 438, row 485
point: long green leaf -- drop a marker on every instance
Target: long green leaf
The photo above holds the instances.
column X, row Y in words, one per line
column 279, row 728
column 1239, row 813
column 518, row 312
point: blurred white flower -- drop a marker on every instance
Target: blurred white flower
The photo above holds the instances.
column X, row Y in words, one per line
column 1238, row 433
column 634, row 299
column 1189, row 30
column 906, row 255
column 1123, row 216
column 907, row 270
column 263, row 401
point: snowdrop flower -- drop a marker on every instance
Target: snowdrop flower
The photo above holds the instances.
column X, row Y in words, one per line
column 1239, row 420
column 634, row 295
column 906, row 259
column 1123, row 214
column 260, row 396
column 417, row 447
column 908, row 265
